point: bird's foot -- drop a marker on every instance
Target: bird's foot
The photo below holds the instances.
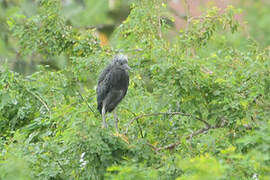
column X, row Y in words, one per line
column 117, row 130
column 104, row 125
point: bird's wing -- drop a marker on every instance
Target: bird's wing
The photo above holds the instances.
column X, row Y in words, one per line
column 119, row 81
column 104, row 73
column 103, row 86
column 115, row 79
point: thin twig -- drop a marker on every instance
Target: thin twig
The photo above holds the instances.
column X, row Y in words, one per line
column 159, row 27
column 187, row 8
column 170, row 146
column 57, row 161
column 37, row 97
column 205, row 122
column 165, row 113
column 99, row 26
column 60, row 165
column 41, row 100
column 88, row 105
column 201, row 18
column 139, row 128
column 129, row 50
column 150, row 145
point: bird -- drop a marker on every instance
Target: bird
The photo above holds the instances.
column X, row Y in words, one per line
column 112, row 87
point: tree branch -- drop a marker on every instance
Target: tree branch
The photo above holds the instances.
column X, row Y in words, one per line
column 139, row 128
column 189, row 137
column 38, row 97
column 165, row 113
column 129, row 50
column 61, row 167
column 200, row 131
column 88, row 105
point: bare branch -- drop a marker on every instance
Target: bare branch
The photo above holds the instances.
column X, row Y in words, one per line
column 200, row 131
column 202, row 18
column 173, row 145
column 205, row 122
column 87, row 103
column 129, row 50
column 165, row 113
column 170, row 146
column 150, row 145
column 189, row 137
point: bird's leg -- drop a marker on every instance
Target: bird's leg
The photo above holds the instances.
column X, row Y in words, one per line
column 116, row 120
column 104, row 116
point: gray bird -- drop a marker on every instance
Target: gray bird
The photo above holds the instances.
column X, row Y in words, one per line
column 112, row 86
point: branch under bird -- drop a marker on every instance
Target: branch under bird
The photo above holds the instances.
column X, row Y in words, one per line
column 112, row 86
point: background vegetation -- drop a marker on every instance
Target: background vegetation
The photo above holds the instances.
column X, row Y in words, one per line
column 197, row 105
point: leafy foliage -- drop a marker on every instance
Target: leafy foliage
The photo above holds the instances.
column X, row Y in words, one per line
column 58, row 36
column 197, row 105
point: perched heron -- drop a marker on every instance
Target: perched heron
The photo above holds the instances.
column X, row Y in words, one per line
column 112, row 86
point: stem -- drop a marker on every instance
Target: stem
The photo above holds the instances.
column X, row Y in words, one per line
column 41, row 100
column 88, row 105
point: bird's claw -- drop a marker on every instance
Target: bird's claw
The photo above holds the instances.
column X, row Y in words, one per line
column 104, row 125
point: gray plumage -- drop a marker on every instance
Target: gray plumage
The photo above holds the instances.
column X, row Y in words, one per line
column 112, row 86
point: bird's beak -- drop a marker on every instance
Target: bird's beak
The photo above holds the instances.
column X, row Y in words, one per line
column 127, row 67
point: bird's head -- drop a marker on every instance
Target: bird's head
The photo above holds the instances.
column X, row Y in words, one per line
column 121, row 61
